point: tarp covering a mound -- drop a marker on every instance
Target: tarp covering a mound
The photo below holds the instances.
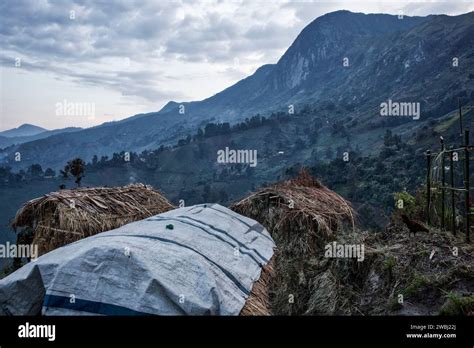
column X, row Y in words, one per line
column 199, row 260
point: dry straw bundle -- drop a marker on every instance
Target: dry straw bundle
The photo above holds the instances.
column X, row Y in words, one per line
column 258, row 303
column 62, row 217
column 302, row 215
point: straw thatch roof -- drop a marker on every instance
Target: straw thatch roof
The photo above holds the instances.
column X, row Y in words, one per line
column 258, row 303
column 302, row 215
column 301, row 206
column 65, row 216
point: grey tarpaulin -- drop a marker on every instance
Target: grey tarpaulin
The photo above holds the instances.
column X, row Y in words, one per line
column 198, row 260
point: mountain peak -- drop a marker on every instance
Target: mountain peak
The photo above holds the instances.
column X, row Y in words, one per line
column 29, row 126
column 25, row 129
column 329, row 38
column 362, row 23
column 169, row 106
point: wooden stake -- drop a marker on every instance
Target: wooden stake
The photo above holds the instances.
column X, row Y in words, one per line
column 466, row 183
column 453, row 209
column 428, row 185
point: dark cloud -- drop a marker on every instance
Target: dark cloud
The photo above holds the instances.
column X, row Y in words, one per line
column 43, row 34
column 151, row 34
column 47, row 39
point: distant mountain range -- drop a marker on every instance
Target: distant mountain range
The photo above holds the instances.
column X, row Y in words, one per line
column 28, row 132
column 343, row 61
column 23, row 131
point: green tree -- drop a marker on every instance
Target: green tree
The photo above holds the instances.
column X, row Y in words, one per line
column 74, row 168
column 35, row 171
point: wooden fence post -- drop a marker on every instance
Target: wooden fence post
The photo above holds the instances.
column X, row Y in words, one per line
column 453, row 205
column 443, row 183
column 466, row 182
column 428, row 185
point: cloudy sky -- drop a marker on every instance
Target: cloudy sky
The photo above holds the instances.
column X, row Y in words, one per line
column 132, row 56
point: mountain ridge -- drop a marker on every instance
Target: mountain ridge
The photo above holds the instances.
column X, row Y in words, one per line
column 396, row 62
column 17, row 140
column 25, row 129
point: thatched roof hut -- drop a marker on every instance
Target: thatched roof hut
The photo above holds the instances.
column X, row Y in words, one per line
column 302, row 215
column 65, row 216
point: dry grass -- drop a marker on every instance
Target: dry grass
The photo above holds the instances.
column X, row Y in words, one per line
column 65, row 216
column 302, row 215
column 423, row 268
column 258, row 303
column 297, row 212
